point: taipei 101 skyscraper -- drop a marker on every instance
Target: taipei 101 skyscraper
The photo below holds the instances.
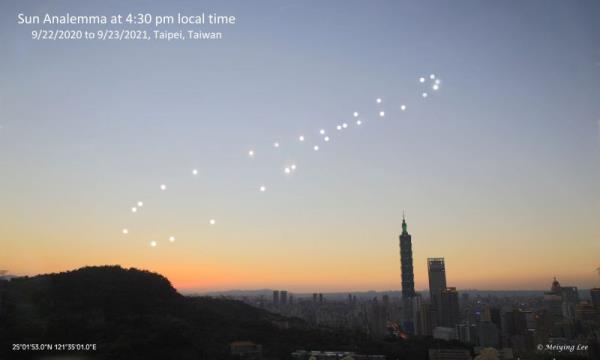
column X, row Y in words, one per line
column 406, row 263
column 408, row 279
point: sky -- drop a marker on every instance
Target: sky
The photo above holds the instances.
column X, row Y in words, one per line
column 498, row 171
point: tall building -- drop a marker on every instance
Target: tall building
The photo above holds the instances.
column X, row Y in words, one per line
column 466, row 332
column 450, row 314
column 488, row 334
column 425, row 321
column 570, row 299
column 437, row 282
column 416, row 303
column 283, row 297
column 406, row 263
column 386, row 300
column 276, row 297
column 595, row 295
column 553, row 301
column 495, row 317
column 408, row 279
column 585, row 311
column 570, row 294
column 515, row 323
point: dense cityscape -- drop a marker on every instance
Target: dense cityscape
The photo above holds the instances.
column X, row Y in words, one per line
column 441, row 323
column 561, row 321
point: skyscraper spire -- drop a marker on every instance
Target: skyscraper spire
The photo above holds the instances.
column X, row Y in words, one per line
column 404, row 226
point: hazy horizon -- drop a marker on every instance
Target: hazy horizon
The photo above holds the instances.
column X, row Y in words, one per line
column 308, row 291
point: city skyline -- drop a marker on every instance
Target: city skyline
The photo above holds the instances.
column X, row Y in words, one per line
column 498, row 171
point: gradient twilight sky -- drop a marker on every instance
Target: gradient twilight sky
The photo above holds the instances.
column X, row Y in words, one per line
column 499, row 173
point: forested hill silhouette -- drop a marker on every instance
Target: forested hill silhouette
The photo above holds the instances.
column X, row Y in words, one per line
column 137, row 314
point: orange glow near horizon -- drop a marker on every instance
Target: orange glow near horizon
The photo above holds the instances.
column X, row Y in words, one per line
column 197, row 267
column 497, row 168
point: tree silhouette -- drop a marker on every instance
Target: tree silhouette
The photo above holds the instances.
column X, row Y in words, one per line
column 136, row 314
